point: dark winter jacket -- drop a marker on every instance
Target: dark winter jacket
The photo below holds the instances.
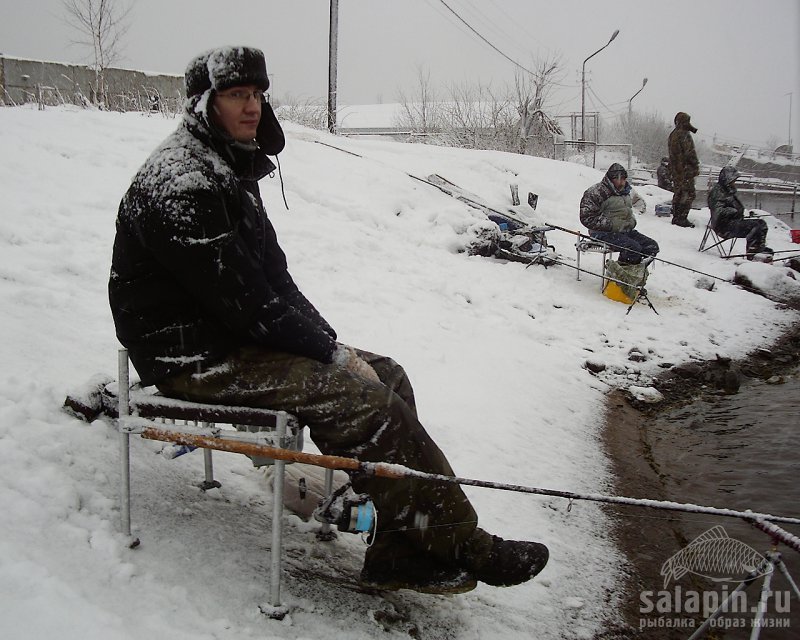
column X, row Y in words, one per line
column 197, row 270
column 726, row 208
column 603, row 208
column 682, row 155
column 664, row 175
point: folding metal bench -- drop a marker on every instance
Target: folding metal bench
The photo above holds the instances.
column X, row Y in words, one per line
column 587, row 244
column 154, row 416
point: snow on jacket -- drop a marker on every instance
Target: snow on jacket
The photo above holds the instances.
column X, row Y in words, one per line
column 682, row 155
column 197, row 270
column 726, row 208
column 603, row 208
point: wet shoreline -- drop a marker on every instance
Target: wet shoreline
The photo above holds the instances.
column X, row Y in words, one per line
column 648, row 537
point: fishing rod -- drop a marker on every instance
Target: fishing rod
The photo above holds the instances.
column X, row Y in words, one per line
column 540, row 260
column 644, row 255
column 745, row 255
column 509, row 214
column 249, row 444
column 640, row 290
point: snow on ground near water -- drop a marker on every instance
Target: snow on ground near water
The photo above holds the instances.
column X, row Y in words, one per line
column 495, row 351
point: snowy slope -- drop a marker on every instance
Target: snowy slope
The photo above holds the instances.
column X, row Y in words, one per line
column 495, row 351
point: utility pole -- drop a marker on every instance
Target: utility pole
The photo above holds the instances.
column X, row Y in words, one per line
column 583, row 84
column 333, row 42
column 790, row 120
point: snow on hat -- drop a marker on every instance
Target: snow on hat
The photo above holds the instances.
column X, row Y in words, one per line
column 225, row 67
column 616, row 170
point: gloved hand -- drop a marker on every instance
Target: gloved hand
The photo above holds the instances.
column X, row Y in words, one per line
column 346, row 357
column 620, row 224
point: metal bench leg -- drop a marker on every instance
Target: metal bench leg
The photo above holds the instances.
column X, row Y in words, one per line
column 123, row 411
column 326, row 533
column 208, row 464
column 276, row 609
column 603, row 279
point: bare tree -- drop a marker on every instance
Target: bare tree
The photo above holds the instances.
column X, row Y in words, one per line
column 420, row 112
column 530, row 92
column 469, row 116
column 476, row 117
column 102, row 25
column 646, row 132
column 311, row 113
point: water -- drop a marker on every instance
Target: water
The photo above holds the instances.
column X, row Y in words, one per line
column 740, row 452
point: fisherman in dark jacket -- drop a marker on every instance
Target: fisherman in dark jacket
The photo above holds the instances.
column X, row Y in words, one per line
column 664, row 175
column 685, row 168
column 606, row 210
column 727, row 214
column 203, row 300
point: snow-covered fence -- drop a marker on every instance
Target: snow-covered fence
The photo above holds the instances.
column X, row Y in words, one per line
column 51, row 83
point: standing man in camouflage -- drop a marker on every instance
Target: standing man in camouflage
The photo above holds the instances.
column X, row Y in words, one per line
column 685, row 167
column 203, row 300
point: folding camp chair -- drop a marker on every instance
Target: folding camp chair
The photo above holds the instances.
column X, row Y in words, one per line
column 712, row 240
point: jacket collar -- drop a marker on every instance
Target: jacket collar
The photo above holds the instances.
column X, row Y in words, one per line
column 248, row 161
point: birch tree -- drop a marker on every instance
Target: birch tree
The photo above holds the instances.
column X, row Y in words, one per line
column 102, row 25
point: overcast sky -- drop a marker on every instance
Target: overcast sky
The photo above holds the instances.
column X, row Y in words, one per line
column 728, row 63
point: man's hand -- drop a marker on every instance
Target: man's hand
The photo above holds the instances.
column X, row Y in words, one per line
column 347, row 358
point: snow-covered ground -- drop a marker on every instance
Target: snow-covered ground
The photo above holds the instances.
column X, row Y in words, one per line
column 496, row 353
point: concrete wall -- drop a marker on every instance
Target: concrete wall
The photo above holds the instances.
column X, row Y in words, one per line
column 51, row 83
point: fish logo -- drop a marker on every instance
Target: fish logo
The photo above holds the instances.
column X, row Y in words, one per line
column 716, row 556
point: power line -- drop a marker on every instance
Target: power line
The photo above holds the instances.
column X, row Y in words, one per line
column 608, row 109
column 434, row 5
column 497, row 27
column 471, row 28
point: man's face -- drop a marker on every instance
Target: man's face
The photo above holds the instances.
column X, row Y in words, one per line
column 237, row 110
column 619, row 182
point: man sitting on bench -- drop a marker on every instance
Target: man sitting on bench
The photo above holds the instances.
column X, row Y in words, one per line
column 727, row 215
column 203, row 301
column 606, row 209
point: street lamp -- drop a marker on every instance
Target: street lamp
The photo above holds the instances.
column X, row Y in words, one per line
column 644, row 82
column 583, row 84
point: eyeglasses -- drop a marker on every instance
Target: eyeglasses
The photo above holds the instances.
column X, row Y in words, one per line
column 243, row 95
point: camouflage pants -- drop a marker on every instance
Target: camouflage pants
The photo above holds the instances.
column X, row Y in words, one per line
column 350, row 416
column 682, row 199
column 753, row 229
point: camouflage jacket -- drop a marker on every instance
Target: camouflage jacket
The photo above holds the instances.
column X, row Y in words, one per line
column 682, row 155
column 603, row 208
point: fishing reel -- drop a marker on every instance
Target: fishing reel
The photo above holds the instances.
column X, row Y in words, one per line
column 353, row 513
